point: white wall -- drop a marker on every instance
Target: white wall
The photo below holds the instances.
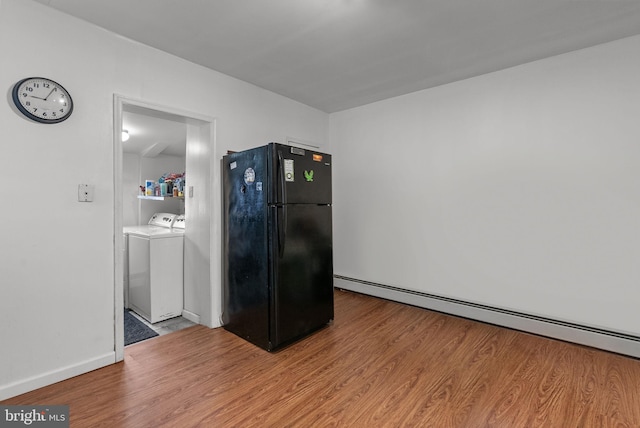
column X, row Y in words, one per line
column 202, row 256
column 518, row 189
column 152, row 169
column 130, row 179
column 135, row 168
column 57, row 305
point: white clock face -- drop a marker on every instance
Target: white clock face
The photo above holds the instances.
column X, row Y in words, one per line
column 42, row 100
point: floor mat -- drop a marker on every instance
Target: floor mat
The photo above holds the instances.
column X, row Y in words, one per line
column 135, row 330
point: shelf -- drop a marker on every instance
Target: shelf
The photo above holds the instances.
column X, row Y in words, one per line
column 159, row 198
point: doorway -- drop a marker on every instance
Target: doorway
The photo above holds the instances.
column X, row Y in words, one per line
column 202, row 234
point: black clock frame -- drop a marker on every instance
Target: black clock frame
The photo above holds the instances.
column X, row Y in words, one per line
column 28, row 114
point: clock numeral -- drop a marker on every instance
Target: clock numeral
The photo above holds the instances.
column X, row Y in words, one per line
column 53, row 113
column 35, row 110
column 24, row 94
column 61, row 110
column 46, row 85
column 28, row 88
column 28, row 103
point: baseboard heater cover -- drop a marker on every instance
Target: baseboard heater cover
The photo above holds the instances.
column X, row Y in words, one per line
column 575, row 333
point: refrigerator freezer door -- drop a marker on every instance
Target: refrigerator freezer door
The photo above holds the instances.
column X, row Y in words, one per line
column 246, row 269
column 302, row 295
column 300, row 176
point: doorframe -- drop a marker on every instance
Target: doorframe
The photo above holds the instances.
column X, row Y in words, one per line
column 214, row 289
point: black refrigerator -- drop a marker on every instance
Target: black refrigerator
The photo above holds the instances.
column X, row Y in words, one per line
column 278, row 254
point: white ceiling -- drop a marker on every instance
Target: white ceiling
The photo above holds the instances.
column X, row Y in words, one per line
column 152, row 133
column 338, row 54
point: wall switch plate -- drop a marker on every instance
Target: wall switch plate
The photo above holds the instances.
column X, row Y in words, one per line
column 85, row 193
column 191, row 191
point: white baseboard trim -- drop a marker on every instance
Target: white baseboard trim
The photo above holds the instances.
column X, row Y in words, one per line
column 35, row 382
column 191, row 316
column 574, row 333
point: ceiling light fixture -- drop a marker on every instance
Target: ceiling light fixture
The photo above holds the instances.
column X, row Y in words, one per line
column 125, row 135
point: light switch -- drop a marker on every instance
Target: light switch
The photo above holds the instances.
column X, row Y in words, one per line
column 85, row 193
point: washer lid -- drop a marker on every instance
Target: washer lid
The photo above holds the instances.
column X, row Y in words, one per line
column 154, row 232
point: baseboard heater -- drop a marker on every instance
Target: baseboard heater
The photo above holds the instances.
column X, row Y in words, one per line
column 575, row 333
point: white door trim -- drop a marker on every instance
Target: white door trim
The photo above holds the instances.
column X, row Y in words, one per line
column 208, row 123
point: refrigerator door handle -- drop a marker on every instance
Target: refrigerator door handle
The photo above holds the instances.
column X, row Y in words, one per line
column 282, row 227
column 282, row 217
column 283, row 187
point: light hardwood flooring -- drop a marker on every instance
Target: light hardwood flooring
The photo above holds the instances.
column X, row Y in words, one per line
column 380, row 364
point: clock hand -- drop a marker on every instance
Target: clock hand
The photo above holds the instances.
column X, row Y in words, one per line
column 45, row 98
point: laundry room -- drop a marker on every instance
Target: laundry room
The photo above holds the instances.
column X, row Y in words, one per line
column 153, row 219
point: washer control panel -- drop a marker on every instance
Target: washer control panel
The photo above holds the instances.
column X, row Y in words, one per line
column 162, row 219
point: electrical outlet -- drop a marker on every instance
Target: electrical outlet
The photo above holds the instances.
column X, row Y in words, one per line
column 85, row 193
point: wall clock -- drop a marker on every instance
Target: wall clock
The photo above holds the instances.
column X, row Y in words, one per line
column 42, row 100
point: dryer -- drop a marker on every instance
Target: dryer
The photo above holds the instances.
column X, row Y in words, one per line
column 155, row 255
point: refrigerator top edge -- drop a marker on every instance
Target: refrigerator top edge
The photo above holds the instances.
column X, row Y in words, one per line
column 293, row 175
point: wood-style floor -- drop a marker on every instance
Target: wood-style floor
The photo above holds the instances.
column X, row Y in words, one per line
column 380, row 364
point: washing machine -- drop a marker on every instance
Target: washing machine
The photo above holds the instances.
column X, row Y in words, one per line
column 155, row 256
column 157, row 221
